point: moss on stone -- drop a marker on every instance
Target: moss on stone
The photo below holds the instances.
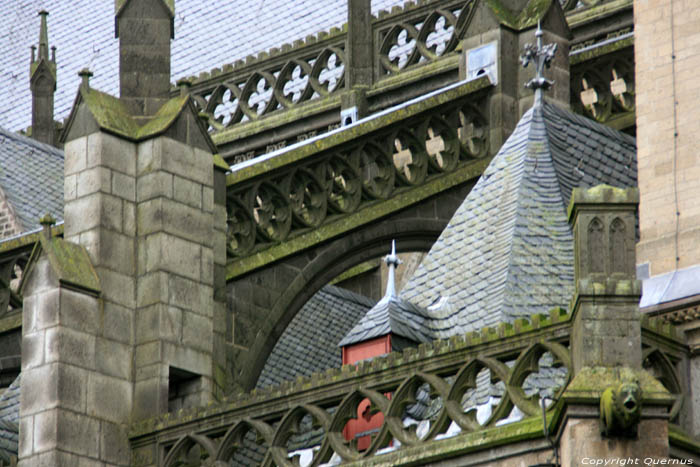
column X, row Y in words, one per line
column 584, row 15
column 348, row 134
column 528, row 17
column 369, row 213
column 590, row 382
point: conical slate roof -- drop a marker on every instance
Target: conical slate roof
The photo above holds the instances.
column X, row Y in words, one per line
column 508, row 250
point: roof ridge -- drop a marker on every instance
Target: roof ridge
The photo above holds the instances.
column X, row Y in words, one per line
column 346, row 294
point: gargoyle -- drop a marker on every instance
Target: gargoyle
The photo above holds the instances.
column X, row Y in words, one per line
column 620, row 410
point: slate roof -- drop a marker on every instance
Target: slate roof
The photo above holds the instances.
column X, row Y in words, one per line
column 9, row 421
column 31, row 176
column 508, row 250
column 208, row 34
column 310, row 342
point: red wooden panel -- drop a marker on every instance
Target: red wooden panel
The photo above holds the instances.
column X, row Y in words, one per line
column 365, row 421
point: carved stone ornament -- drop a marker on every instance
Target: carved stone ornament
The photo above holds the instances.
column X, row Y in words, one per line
column 620, row 410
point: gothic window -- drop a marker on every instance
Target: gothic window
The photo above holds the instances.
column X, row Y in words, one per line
column 595, row 242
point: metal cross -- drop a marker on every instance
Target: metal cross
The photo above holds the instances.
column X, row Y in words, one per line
column 541, row 55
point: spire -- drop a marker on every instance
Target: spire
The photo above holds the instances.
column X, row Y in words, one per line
column 43, row 36
column 542, row 56
column 391, row 261
column 42, row 79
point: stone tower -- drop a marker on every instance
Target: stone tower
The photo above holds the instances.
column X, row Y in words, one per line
column 144, row 214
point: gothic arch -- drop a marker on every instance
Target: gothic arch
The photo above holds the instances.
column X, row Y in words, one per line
column 291, row 282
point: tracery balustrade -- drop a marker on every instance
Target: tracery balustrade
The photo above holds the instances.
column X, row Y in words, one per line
column 604, row 89
column 449, row 388
column 274, row 207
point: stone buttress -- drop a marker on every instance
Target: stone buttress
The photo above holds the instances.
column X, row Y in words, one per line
column 145, row 202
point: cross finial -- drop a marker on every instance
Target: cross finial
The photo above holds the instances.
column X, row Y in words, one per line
column 541, row 55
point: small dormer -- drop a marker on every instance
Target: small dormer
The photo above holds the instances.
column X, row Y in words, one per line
column 391, row 325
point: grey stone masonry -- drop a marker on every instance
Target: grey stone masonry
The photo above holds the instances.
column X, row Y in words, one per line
column 175, row 307
column 607, row 330
column 101, row 216
column 144, row 29
column 510, row 99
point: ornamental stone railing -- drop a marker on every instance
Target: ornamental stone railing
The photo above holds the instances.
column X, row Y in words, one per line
column 302, row 194
column 306, row 418
column 270, row 422
column 284, row 78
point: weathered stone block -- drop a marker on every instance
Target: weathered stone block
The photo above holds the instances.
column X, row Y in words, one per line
column 197, row 331
column 124, row 186
column 153, row 185
column 116, row 251
column 112, row 152
column 150, row 398
column 70, row 187
column 45, row 431
column 175, row 218
column 42, row 312
column 88, row 212
column 207, row 199
column 152, row 288
column 118, row 323
column 189, row 359
column 75, row 156
column 117, row 287
column 26, row 436
column 207, row 266
column 71, row 383
column 158, row 322
column 77, row 433
column 129, row 219
column 68, row 346
column 113, row 358
column 40, row 280
column 37, row 396
column 108, row 398
column 79, row 311
column 187, row 191
column 172, row 254
column 114, row 447
column 32, row 350
column 185, row 293
column 148, row 354
column 186, row 161
column 96, row 179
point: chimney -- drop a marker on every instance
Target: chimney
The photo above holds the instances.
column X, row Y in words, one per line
column 42, row 79
column 144, row 29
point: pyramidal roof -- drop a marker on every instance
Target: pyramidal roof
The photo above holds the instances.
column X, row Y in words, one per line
column 508, row 250
column 391, row 314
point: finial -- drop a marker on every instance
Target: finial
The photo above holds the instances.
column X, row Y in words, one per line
column 85, row 75
column 47, row 221
column 542, row 56
column 43, row 36
column 392, row 261
column 184, row 84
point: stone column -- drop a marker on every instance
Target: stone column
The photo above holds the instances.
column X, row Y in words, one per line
column 175, row 275
column 606, row 337
column 100, row 214
column 359, row 53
